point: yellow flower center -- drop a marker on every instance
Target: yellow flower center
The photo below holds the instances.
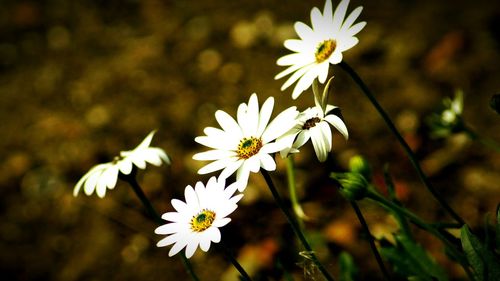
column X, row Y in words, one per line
column 248, row 147
column 311, row 123
column 325, row 50
column 202, row 220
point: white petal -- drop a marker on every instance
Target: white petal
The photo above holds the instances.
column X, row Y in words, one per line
column 253, row 163
column 191, row 197
column 215, row 166
column 101, row 185
column 191, row 248
column 319, row 143
column 242, row 177
column 91, row 182
column 299, row 73
column 280, row 125
column 179, row 206
column 265, row 115
column 230, row 169
column 336, row 122
column 174, row 216
column 351, row 18
column 317, row 19
column 328, row 12
column 205, row 243
column 267, row 162
column 306, row 80
column 295, row 45
column 171, row 239
column 355, row 29
column 227, row 122
column 338, row 16
column 125, row 166
column 178, row 246
column 304, row 31
column 323, row 72
column 147, row 141
column 222, row 222
column 223, row 141
column 214, row 155
column 302, row 138
column 252, row 118
column 168, row 228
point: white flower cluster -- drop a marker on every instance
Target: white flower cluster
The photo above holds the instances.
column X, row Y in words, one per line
column 248, row 142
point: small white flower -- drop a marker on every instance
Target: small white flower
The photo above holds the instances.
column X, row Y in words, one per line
column 319, row 46
column 313, row 123
column 453, row 108
column 105, row 175
column 196, row 222
column 245, row 146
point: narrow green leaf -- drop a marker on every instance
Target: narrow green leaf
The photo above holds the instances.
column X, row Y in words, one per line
column 412, row 261
column 348, row 270
column 483, row 262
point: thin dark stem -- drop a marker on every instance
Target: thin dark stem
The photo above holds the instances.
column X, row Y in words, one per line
column 140, row 194
column 131, row 180
column 295, row 226
column 485, row 141
column 235, row 263
column 370, row 240
column 189, row 267
column 401, row 140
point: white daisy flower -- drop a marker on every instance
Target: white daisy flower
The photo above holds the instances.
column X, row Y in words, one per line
column 319, row 45
column 105, row 175
column 313, row 123
column 196, row 222
column 245, row 145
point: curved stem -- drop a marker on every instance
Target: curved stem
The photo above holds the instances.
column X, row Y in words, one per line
column 294, row 224
column 131, row 180
column 236, row 264
column 292, row 190
column 403, row 143
column 483, row 140
column 370, row 240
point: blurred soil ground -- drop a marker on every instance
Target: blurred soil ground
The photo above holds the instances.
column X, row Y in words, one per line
column 82, row 80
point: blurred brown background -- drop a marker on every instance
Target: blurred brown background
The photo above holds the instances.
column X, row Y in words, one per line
column 82, row 80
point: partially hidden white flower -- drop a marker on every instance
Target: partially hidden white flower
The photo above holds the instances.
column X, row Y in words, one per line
column 453, row 109
column 245, row 145
column 196, row 222
column 319, row 45
column 104, row 176
column 313, row 123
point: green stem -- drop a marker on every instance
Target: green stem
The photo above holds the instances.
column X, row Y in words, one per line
column 294, row 224
column 292, row 189
column 236, row 264
column 370, row 240
column 483, row 140
column 401, row 140
column 130, row 178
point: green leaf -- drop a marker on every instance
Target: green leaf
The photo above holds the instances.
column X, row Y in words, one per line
column 412, row 261
column 483, row 262
column 348, row 270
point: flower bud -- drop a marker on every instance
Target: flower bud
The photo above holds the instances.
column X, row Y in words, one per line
column 353, row 185
column 358, row 164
